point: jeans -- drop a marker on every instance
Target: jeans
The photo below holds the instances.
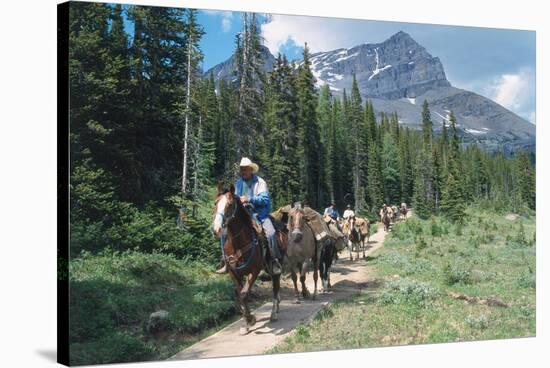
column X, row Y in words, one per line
column 269, row 231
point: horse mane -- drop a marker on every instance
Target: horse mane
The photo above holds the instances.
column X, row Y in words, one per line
column 246, row 214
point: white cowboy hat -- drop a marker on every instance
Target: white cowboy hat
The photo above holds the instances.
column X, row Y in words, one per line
column 245, row 162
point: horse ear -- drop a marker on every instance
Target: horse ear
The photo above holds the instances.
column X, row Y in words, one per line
column 220, row 187
column 232, row 189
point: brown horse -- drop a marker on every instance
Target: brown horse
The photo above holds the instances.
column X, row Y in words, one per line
column 385, row 214
column 302, row 247
column 354, row 238
column 403, row 210
column 363, row 229
column 242, row 251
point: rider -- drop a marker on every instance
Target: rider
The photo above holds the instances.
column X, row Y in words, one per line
column 253, row 190
column 348, row 212
column 332, row 212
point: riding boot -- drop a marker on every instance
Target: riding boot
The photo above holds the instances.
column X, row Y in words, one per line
column 223, row 269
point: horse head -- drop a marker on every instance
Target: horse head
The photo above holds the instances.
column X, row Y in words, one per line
column 225, row 208
column 296, row 222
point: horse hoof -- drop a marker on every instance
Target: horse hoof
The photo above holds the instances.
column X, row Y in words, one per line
column 273, row 317
column 243, row 331
column 297, row 301
column 251, row 321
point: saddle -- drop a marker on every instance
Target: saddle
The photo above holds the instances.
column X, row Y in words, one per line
column 281, row 233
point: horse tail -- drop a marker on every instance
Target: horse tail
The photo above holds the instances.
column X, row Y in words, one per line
column 322, row 255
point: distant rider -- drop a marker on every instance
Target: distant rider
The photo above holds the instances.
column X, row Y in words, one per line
column 332, row 212
column 348, row 212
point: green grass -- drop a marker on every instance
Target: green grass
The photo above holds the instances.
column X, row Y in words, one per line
column 422, row 262
column 113, row 294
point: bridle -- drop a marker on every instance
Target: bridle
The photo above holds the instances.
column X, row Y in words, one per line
column 231, row 216
column 250, row 246
column 294, row 223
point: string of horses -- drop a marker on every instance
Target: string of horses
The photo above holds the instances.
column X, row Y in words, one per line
column 303, row 236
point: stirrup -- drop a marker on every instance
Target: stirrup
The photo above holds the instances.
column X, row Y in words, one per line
column 276, row 267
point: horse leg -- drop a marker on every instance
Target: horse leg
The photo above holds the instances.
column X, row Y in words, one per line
column 243, row 307
column 315, row 278
column 250, row 320
column 322, row 273
column 350, row 247
column 363, row 246
column 305, row 292
column 276, row 280
column 294, row 278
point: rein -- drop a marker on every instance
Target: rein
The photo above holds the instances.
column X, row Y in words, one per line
column 253, row 244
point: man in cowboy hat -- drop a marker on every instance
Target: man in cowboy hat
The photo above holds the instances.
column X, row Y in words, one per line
column 252, row 189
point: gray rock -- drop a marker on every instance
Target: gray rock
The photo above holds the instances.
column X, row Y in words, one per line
column 158, row 321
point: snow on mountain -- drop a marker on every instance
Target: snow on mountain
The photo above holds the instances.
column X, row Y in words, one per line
column 397, row 75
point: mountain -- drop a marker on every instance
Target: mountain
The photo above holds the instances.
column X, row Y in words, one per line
column 227, row 69
column 398, row 75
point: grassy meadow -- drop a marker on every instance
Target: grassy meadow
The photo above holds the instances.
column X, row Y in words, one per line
column 113, row 294
column 433, row 282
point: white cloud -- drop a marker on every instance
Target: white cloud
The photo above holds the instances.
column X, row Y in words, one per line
column 510, row 90
column 321, row 34
column 516, row 92
column 227, row 18
column 533, row 117
column 226, row 24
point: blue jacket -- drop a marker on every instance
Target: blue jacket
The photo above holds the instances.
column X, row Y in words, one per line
column 332, row 212
column 259, row 195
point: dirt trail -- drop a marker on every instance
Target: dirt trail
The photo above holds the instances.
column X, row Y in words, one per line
column 347, row 278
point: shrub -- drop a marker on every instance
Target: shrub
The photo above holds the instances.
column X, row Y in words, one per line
column 527, row 280
column 112, row 295
column 420, row 244
column 405, row 264
column 406, row 291
column 458, row 228
column 457, row 274
column 477, row 322
column 118, row 347
column 474, row 241
column 435, row 228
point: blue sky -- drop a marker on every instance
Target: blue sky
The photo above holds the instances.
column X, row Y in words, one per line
column 496, row 63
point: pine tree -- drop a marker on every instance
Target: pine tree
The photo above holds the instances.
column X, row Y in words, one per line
column 328, row 138
column 390, row 170
column 359, row 156
column 309, row 134
column 427, row 126
column 193, row 55
column 279, row 149
column 250, row 81
column 454, row 194
column 424, row 188
column 405, row 166
column 525, row 175
column 452, row 204
column 423, row 196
